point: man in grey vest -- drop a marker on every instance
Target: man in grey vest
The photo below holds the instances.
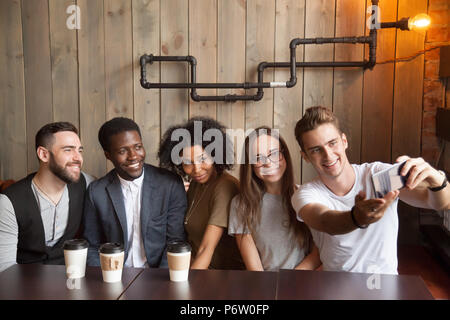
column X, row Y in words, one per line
column 41, row 211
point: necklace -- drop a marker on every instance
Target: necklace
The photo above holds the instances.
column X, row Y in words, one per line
column 194, row 204
column 45, row 193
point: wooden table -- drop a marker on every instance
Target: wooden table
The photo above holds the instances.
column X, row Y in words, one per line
column 324, row 285
column 154, row 284
column 49, row 282
column 42, row 282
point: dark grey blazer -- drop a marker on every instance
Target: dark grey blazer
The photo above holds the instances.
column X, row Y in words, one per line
column 162, row 214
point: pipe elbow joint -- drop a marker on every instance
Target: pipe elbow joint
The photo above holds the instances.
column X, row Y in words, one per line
column 145, row 58
column 291, row 83
column 195, row 96
column 259, row 95
column 262, row 66
column 144, row 83
column 294, row 43
column 191, row 60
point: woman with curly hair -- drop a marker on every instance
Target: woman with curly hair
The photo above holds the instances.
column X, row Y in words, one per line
column 262, row 219
column 202, row 156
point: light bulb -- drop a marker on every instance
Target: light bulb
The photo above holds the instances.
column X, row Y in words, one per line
column 421, row 21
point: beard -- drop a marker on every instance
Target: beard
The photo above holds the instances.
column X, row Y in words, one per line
column 62, row 172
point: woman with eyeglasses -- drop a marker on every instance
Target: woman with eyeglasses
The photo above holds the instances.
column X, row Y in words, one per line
column 198, row 150
column 262, row 219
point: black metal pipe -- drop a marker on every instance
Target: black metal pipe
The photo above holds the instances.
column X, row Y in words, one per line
column 402, row 24
column 228, row 97
column 260, row 84
column 372, row 50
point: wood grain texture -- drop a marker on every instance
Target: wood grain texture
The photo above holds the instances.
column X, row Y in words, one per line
column 38, row 77
column 288, row 102
column 203, row 46
column 348, row 82
column 146, row 40
column 118, row 61
column 64, row 59
column 174, row 42
column 408, row 86
column 378, row 94
column 59, row 74
column 231, row 68
column 260, row 47
column 91, row 68
column 13, row 134
column 318, row 82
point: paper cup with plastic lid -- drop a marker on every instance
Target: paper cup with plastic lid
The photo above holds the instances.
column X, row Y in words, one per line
column 179, row 259
column 75, row 254
column 111, row 260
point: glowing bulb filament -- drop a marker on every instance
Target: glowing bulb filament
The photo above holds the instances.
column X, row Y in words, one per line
column 420, row 21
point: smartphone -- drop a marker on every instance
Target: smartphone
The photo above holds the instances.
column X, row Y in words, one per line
column 388, row 180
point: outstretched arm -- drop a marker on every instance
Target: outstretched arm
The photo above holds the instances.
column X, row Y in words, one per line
column 365, row 212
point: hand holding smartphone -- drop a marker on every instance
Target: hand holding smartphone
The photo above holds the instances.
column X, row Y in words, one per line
column 389, row 180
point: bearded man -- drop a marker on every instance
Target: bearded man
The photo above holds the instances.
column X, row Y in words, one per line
column 41, row 211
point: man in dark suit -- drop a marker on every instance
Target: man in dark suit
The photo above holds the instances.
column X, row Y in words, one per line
column 136, row 204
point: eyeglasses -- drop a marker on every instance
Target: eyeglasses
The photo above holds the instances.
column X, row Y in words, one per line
column 274, row 157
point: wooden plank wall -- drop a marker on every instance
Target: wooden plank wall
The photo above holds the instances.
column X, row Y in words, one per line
column 87, row 76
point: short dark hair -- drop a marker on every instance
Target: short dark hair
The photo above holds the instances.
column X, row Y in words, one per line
column 167, row 145
column 113, row 127
column 44, row 137
column 314, row 117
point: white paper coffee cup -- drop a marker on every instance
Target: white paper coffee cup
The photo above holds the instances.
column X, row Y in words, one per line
column 111, row 261
column 75, row 254
column 178, row 258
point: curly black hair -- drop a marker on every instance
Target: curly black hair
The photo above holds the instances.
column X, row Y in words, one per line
column 184, row 135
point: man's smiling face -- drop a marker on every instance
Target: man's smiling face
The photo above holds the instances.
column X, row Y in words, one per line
column 127, row 153
column 324, row 148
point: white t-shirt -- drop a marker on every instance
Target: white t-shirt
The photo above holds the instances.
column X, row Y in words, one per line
column 371, row 250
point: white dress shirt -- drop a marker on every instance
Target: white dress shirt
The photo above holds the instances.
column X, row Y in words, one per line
column 132, row 193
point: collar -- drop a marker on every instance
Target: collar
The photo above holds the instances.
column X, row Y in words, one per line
column 136, row 183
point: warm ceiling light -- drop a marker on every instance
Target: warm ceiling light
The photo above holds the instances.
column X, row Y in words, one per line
column 421, row 21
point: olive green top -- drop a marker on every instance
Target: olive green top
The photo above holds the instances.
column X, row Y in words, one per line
column 209, row 204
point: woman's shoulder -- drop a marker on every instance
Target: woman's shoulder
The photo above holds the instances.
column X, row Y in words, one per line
column 226, row 183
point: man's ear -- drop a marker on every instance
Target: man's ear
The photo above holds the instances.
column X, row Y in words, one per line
column 344, row 140
column 107, row 155
column 43, row 154
column 305, row 156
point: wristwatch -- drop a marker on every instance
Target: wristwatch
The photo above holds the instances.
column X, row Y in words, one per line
column 444, row 183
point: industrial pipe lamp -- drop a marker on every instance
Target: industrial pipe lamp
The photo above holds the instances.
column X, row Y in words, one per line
column 418, row 22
